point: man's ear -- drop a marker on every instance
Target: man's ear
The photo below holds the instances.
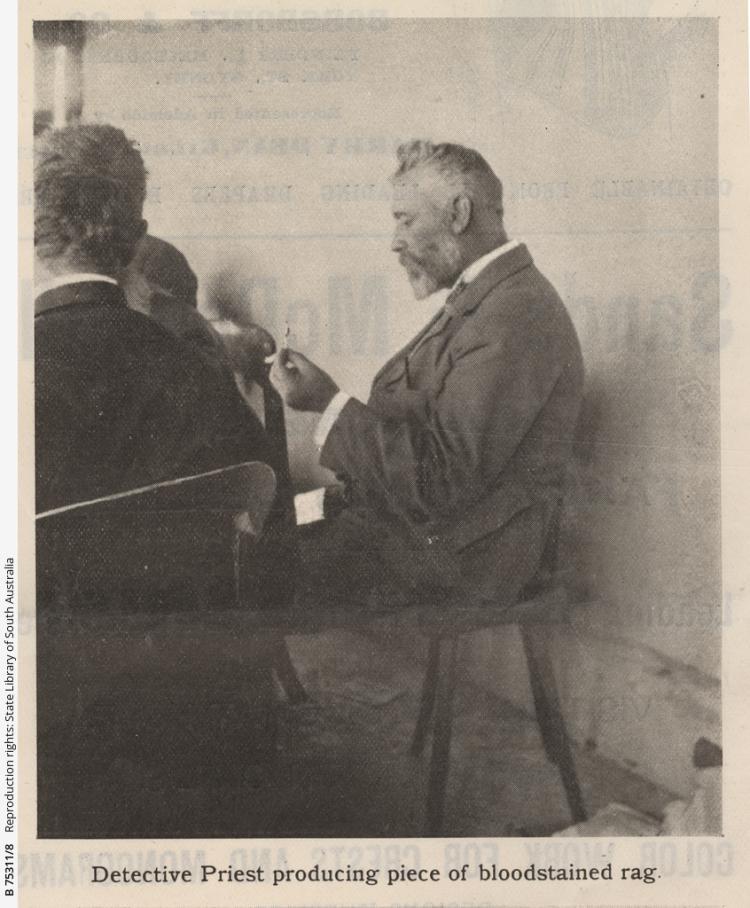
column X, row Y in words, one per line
column 131, row 255
column 462, row 209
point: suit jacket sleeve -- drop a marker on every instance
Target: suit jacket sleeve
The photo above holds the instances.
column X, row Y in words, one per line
column 458, row 436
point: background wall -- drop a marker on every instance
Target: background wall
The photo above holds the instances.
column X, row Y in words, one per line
column 269, row 145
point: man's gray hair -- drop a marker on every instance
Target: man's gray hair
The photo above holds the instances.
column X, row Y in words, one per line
column 458, row 164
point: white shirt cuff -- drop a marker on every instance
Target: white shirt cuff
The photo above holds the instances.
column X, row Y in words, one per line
column 309, row 507
column 329, row 417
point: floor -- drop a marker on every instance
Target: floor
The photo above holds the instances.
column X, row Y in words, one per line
column 337, row 765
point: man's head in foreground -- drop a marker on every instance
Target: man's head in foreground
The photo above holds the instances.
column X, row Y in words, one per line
column 448, row 208
column 89, row 189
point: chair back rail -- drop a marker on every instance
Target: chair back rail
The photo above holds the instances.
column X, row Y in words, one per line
column 169, row 545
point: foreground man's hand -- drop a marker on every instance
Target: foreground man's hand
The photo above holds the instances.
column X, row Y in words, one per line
column 302, row 385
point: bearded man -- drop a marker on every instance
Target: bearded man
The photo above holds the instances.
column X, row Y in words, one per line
column 453, row 469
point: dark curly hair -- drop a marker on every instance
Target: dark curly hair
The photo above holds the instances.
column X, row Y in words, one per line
column 89, row 188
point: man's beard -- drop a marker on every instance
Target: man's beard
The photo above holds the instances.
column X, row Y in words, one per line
column 428, row 275
column 423, row 284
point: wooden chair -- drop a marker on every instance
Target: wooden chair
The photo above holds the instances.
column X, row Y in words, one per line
column 94, row 554
column 124, row 585
column 539, row 610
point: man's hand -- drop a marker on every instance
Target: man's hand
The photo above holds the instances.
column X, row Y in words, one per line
column 302, row 385
column 247, row 347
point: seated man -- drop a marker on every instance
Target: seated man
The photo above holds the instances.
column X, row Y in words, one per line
column 120, row 402
column 454, row 468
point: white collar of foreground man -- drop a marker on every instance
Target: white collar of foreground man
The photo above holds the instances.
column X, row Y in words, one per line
column 79, row 277
column 468, row 274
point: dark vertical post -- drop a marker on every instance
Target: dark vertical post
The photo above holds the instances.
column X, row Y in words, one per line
column 441, row 741
column 550, row 718
column 427, row 702
column 276, row 430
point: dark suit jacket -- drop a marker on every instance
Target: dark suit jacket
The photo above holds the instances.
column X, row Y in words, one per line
column 189, row 326
column 468, row 427
column 120, row 403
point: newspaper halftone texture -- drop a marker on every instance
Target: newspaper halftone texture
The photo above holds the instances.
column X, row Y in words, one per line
column 371, row 364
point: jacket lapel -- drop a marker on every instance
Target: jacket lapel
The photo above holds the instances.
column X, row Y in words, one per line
column 465, row 302
column 396, row 365
column 393, row 368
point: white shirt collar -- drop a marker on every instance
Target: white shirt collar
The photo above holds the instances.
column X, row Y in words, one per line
column 468, row 274
column 78, row 277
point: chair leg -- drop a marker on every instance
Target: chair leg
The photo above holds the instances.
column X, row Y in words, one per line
column 441, row 742
column 550, row 718
column 288, row 678
column 427, row 703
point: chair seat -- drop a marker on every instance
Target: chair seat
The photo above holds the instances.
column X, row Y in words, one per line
column 447, row 618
